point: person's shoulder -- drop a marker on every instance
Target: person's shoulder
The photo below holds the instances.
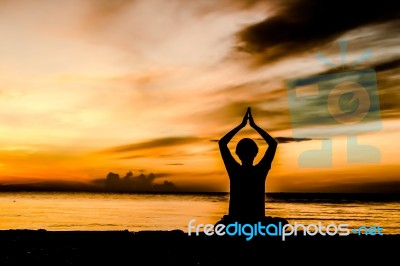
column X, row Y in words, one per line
column 233, row 163
column 233, row 167
column 263, row 166
column 262, row 169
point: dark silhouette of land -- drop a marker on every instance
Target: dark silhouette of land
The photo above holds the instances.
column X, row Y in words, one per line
column 247, row 181
column 111, row 183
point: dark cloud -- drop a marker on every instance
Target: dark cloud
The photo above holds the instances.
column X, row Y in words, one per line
column 301, row 25
column 387, row 65
column 131, row 157
column 281, row 139
column 379, row 66
column 132, row 183
column 289, row 139
column 272, row 106
column 156, row 143
column 389, row 97
column 388, row 81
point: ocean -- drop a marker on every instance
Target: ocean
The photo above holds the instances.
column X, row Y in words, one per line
column 55, row 211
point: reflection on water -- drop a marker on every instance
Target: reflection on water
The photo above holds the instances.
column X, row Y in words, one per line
column 91, row 211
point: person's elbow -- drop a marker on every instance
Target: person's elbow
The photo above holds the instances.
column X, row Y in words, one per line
column 273, row 143
column 222, row 143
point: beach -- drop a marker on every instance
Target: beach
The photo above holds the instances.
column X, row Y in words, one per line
column 41, row 247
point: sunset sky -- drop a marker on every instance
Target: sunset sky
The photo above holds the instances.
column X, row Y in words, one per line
column 93, row 86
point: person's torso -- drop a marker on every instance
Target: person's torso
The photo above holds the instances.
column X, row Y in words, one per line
column 247, row 192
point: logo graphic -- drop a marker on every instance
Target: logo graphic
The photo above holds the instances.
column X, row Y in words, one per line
column 279, row 230
column 343, row 103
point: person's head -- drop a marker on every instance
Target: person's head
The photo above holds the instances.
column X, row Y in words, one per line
column 246, row 150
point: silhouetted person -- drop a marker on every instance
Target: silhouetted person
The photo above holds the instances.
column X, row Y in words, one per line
column 247, row 181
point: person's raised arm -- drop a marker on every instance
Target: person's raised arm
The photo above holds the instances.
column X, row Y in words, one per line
column 272, row 143
column 228, row 137
column 223, row 142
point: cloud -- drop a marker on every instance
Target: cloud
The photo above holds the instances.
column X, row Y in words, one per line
column 280, row 139
column 101, row 9
column 379, row 66
column 277, row 117
column 289, row 139
column 106, row 7
column 301, row 26
column 387, row 65
column 155, row 143
column 131, row 183
column 387, row 82
column 266, row 104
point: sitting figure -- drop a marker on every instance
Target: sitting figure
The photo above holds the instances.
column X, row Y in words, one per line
column 247, row 181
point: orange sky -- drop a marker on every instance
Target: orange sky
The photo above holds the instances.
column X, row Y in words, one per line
column 89, row 87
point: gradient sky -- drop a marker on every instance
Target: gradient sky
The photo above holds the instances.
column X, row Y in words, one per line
column 93, row 86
